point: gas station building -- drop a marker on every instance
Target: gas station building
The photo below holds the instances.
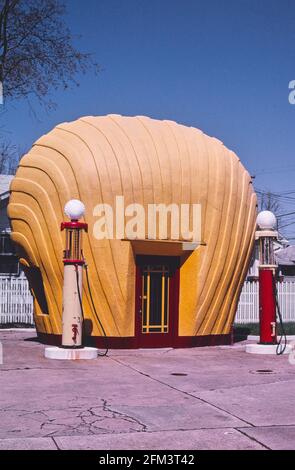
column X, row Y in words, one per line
column 148, row 292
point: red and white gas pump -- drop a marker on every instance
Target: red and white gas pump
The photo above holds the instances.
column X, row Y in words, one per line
column 266, row 235
column 72, row 316
column 72, row 309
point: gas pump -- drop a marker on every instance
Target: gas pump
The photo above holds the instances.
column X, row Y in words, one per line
column 266, row 235
column 72, row 308
column 72, row 317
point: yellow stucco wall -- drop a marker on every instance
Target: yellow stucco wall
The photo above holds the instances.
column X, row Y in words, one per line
column 147, row 161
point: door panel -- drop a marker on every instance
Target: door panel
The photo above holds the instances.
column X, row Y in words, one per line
column 157, row 300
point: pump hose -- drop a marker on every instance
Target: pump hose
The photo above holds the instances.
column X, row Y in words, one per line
column 93, row 305
column 95, row 311
column 282, row 343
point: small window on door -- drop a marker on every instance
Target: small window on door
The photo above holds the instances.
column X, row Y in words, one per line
column 155, row 299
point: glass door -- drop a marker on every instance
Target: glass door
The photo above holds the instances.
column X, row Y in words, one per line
column 156, row 300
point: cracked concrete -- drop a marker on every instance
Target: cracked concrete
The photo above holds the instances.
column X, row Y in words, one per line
column 67, row 419
column 131, row 400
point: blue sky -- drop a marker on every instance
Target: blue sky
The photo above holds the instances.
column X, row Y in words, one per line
column 221, row 65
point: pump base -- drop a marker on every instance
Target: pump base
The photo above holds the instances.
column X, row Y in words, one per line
column 266, row 349
column 70, row 354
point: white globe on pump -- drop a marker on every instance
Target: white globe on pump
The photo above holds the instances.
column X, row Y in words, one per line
column 74, row 209
column 266, row 220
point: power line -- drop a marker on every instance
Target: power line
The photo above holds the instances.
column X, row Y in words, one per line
column 268, row 171
column 287, row 225
column 275, row 195
column 285, row 215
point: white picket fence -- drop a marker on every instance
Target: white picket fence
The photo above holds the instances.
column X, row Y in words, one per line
column 248, row 308
column 16, row 301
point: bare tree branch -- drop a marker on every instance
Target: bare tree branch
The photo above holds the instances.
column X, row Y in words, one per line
column 37, row 53
column 9, row 158
column 269, row 202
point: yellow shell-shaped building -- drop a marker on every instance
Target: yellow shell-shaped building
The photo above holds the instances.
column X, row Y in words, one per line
column 147, row 292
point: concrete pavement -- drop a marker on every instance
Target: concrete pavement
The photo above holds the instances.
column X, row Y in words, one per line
column 199, row 398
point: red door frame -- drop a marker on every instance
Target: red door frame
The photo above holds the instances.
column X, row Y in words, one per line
column 158, row 340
